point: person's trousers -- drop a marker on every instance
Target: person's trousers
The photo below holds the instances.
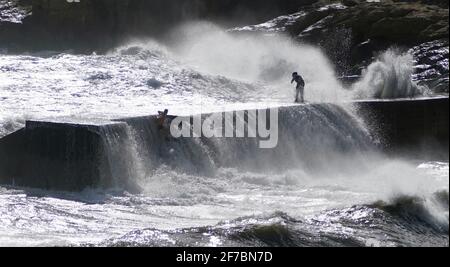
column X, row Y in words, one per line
column 301, row 92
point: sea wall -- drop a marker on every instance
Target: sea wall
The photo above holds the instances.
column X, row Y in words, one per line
column 414, row 128
column 54, row 155
column 68, row 155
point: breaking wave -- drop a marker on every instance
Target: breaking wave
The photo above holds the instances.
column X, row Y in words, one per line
column 432, row 211
column 389, row 76
column 404, row 222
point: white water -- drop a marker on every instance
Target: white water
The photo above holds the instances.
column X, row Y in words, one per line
column 173, row 200
column 259, row 59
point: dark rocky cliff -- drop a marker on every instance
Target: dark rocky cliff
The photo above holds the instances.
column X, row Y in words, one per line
column 353, row 32
column 96, row 24
column 100, row 24
column 372, row 26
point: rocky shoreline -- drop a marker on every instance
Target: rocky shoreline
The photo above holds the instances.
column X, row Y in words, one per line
column 351, row 32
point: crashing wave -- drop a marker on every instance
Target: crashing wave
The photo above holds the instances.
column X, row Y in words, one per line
column 432, row 211
column 390, row 76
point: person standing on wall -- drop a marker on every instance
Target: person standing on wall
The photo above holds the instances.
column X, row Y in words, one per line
column 300, row 88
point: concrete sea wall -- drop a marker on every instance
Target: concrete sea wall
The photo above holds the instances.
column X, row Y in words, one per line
column 71, row 156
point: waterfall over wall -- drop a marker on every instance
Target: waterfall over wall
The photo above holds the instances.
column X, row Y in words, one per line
column 125, row 152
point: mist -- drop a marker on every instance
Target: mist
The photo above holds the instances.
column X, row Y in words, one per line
column 262, row 60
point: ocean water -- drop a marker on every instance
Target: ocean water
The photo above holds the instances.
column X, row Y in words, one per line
column 239, row 209
column 326, row 184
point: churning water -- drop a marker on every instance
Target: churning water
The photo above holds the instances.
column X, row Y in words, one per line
column 324, row 185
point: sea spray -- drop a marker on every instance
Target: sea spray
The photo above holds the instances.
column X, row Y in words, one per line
column 389, row 76
column 267, row 61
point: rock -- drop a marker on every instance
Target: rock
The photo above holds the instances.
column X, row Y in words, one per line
column 351, row 2
column 400, row 23
column 440, row 3
column 154, row 83
column 14, row 11
column 369, row 27
column 432, row 65
column 98, row 25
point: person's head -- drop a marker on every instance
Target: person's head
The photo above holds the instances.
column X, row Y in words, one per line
column 166, row 111
column 294, row 74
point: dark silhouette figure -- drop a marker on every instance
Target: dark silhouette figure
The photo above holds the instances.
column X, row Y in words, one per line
column 161, row 120
column 300, row 88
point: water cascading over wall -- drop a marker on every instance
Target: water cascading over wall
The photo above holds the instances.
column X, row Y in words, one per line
column 120, row 153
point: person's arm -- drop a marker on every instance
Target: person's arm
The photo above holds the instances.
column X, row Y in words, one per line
column 293, row 79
